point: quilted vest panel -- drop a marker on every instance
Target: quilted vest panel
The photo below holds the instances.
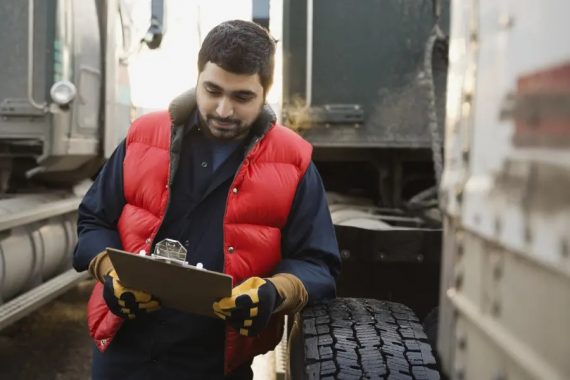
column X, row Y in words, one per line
column 145, row 176
column 257, row 209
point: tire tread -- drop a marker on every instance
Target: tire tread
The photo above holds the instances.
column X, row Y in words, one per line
column 356, row 338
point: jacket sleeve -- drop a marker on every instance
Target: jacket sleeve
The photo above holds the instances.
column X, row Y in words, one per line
column 99, row 212
column 309, row 246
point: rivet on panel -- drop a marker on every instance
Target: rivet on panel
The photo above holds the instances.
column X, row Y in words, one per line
column 564, row 249
column 459, row 373
column 498, row 271
column 461, row 341
column 466, row 108
column 496, row 309
column 501, row 375
column 345, row 254
column 460, row 250
column 380, row 256
column 477, row 219
column 459, row 195
column 506, row 21
column 460, row 236
column 527, row 233
column 458, row 280
column 498, row 226
column 455, row 314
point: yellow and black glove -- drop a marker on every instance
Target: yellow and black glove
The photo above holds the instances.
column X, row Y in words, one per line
column 250, row 306
column 125, row 302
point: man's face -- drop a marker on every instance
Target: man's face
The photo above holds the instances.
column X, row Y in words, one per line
column 228, row 103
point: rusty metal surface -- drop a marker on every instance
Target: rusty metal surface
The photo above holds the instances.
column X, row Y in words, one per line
column 374, row 62
column 541, row 108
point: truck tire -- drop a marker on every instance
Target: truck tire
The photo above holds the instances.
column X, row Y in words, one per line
column 355, row 338
column 430, row 325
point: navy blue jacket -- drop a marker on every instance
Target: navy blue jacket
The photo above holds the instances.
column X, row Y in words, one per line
column 172, row 344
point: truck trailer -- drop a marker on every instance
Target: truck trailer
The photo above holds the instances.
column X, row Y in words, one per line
column 440, row 129
column 64, row 106
column 441, row 132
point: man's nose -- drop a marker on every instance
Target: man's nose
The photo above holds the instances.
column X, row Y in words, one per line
column 225, row 108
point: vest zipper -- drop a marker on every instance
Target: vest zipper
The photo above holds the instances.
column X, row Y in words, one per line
column 246, row 155
column 168, row 189
column 168, row 184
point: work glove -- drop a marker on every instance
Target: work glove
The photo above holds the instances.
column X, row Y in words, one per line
column 250, row 306
column 100, row 266
column 125, row 302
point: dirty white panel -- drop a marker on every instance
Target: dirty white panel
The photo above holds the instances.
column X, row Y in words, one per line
column 507, row 261
column 460, row 86
column 515, row 38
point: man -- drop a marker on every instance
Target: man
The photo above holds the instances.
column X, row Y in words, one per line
column 238, row 191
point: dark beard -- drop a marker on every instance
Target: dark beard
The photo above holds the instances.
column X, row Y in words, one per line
column 238, row 130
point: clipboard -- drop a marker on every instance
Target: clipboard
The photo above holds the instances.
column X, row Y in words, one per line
column 182, row 287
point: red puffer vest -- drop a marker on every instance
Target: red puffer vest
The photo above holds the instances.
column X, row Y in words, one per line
column 257, row 208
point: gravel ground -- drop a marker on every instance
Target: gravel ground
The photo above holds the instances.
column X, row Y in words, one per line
column 53, row 343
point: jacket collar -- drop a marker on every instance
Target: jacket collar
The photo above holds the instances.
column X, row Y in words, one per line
column 182, row 107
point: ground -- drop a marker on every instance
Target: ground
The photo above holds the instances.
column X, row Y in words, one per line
column 51, row 343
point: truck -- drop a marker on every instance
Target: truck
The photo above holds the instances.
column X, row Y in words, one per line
column 441, row 132
column 64, row 106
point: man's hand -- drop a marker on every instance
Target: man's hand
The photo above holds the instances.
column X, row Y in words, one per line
column 125, row 302
column 250, row 306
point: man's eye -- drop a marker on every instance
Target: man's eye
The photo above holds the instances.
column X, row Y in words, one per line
column 243, row 99
column 213, row 92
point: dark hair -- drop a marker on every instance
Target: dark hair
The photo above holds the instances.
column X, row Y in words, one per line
column 240, row 47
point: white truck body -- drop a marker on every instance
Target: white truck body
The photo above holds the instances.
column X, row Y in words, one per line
column 505, row 301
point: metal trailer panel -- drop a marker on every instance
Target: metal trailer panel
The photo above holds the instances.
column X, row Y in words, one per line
column 75, row 134
column 368, row 54
column 87, row 74
column 294, row 50
column 117, row 94
column 64, row 44
column 26, row 67
column 397, row 264
column 506, row 289
column 37, row 236
column 24, row 304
